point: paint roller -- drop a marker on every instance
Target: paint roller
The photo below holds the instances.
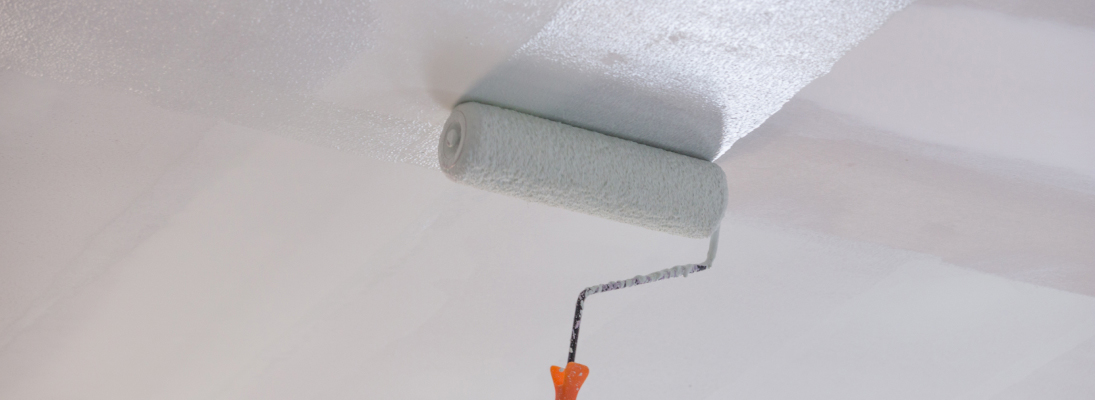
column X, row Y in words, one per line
column 540, row 160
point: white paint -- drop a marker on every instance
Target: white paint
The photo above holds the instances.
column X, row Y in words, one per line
column 379, row 78
column 687, row 76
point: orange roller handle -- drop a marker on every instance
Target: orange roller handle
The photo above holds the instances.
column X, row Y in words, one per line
column 568, row 381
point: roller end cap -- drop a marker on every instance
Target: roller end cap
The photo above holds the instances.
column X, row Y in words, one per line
column 568, row 381
column 453, row 137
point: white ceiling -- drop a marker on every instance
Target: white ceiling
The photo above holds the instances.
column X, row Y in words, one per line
column 688, row 76
column 915, row 224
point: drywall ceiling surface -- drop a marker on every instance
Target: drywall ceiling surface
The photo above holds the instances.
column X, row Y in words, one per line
column 915, row 225
column 999, row 84
column 380, row 77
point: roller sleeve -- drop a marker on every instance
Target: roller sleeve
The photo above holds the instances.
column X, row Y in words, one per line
column 520, row 155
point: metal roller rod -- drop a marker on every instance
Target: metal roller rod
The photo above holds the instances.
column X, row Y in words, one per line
column 674, row 272
column 680, row 270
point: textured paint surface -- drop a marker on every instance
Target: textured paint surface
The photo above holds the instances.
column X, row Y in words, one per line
column 378, row 77
column 686, row 76
column 255, row 63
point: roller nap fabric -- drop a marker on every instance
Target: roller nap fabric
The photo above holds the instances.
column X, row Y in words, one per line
column 520, row 155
